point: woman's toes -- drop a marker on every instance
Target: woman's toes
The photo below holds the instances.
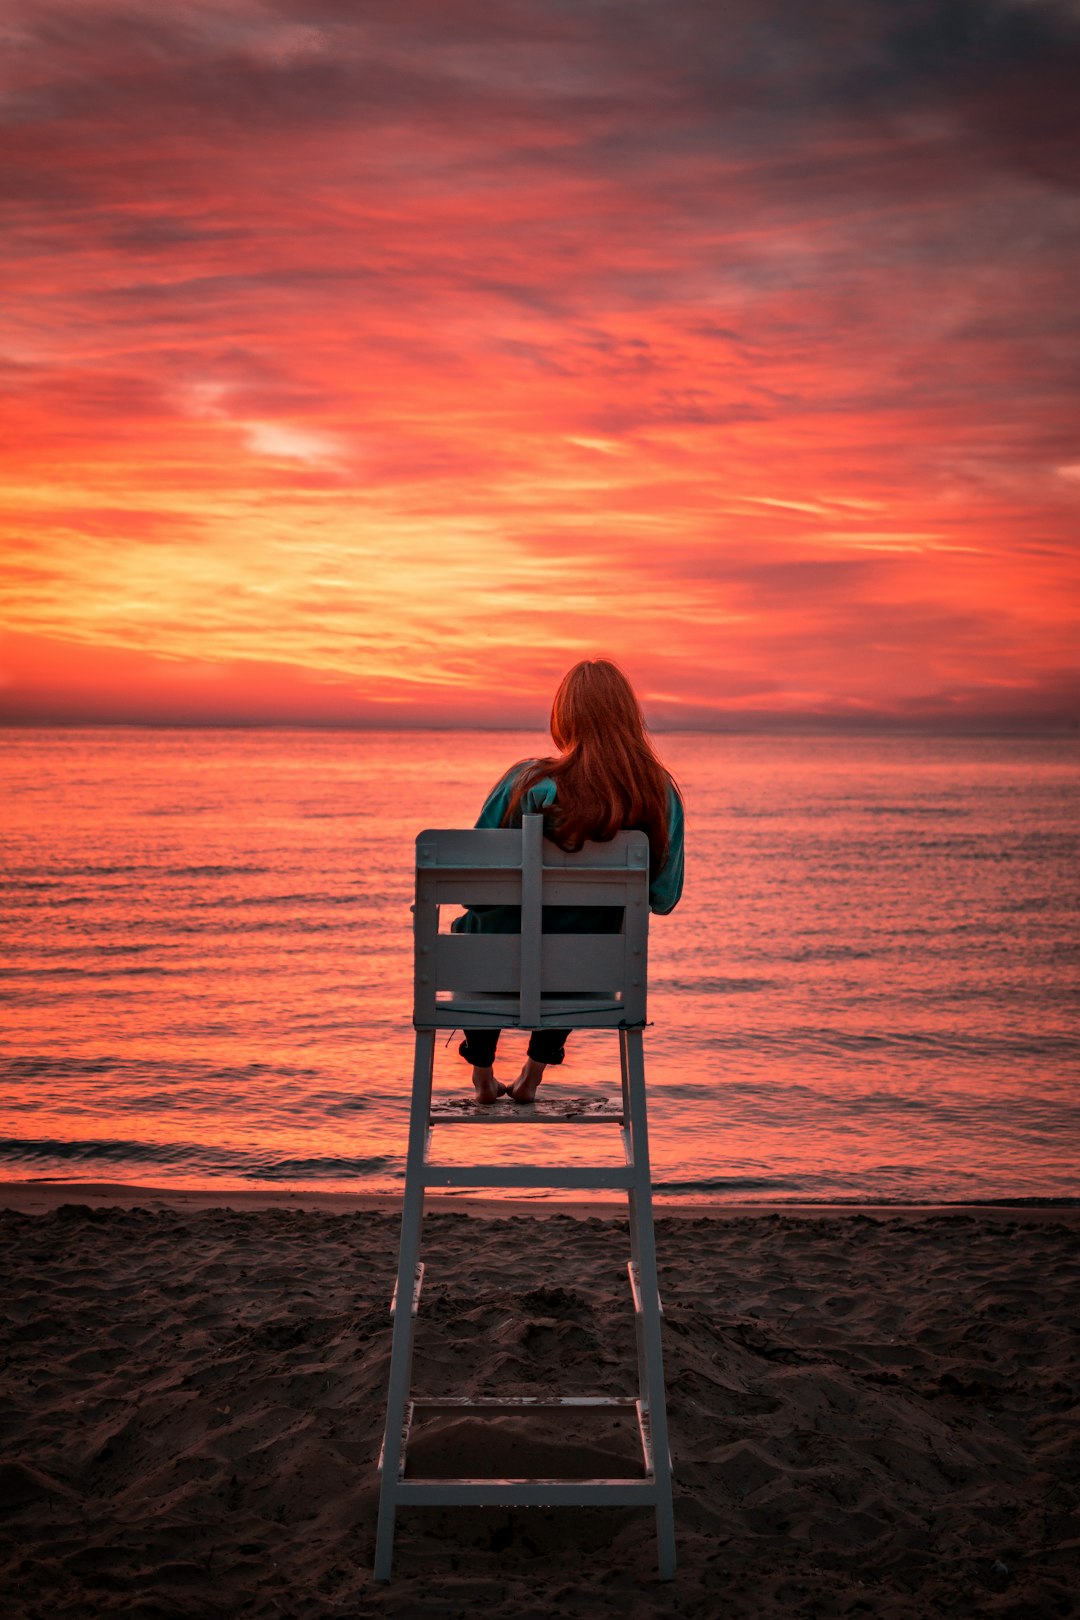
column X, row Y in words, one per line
column 486, row 1087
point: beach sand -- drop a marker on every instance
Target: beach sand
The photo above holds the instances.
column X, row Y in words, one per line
column 872, row 1411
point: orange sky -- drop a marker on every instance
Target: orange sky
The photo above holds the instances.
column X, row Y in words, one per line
column 373, row 363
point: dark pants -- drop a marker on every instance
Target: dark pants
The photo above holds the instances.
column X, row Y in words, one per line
column 545, row 1046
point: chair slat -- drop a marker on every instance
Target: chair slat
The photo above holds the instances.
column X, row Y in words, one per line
column 475, row 889
column 489, row 962
column 477, row 962
column 453, row 846
column 492, row 888
column 583, row 962
column 442, row 847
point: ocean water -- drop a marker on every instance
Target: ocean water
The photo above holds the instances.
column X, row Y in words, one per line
column 869, row 990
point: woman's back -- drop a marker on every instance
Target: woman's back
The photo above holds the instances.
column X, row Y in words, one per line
column 605, row 778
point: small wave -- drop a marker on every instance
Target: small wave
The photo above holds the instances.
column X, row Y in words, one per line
column 335, row 815
column 212, row 870
column 333, row 1107
column 115, row 970
column 210, row 1161
column 912, row 1043
column 110, row 1149
column 187, row 1072
column 15, row 885
column 831, row 953
column 186, row 809
column 730, row 1184
column 868, row 1184
column 295, row 900
column 934, row 812
column 713, row 987
column 314, row 1169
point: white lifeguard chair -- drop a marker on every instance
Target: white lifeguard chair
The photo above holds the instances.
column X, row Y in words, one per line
column 530, row 980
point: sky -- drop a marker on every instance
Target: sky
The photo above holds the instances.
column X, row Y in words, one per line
column 372, row 363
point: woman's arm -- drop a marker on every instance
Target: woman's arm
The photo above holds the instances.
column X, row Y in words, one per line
column 497, row 800
column 666, row 887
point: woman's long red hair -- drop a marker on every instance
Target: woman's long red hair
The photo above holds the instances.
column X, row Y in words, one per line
column 608, row 776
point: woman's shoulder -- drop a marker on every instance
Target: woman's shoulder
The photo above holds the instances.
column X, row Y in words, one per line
column 539, row 793
column 534, row 772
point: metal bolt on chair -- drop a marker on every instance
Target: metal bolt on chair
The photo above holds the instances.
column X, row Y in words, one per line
column 529, row 980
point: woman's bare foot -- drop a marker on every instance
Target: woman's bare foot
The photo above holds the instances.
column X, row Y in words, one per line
column 526, row 1085
column 488, row 1089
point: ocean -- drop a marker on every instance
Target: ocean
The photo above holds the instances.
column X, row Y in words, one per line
column 868, row 992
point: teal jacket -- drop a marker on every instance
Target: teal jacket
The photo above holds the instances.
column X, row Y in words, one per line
column 665, row 886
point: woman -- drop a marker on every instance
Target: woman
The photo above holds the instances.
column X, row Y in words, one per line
column 606, row 777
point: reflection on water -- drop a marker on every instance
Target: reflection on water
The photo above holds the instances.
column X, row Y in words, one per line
column 869, row 990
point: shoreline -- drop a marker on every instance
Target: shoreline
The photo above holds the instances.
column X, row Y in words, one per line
column 45, row 1194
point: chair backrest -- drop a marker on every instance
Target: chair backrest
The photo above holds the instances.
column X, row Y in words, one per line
column 530, row 979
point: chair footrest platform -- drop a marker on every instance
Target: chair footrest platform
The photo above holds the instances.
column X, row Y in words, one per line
column 544, row 1111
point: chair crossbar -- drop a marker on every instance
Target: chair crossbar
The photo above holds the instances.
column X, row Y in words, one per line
column 554, row 1014
column 517, row 1403
column 467, row 869
column 527, row 1492
column 599, row 1177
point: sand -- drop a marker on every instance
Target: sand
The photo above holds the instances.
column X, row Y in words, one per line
column 873, row 1413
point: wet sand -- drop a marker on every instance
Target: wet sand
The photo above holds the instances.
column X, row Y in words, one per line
column 873, row 1411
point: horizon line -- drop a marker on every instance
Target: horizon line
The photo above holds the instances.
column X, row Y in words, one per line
column 1068, row 729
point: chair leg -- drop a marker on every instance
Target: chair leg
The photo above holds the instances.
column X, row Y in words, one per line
column 643, row 1242
column 632, row 1204
column 402, row 1343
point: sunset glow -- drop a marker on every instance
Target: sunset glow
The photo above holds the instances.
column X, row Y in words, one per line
column 373, row 363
